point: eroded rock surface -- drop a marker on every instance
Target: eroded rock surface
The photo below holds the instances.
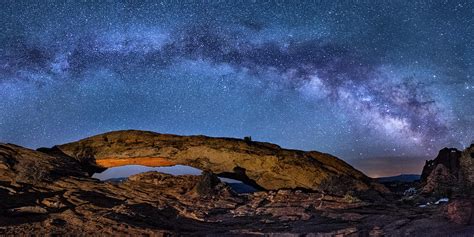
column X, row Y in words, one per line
column 263, row 165
column 461, row 211
column 53, row 193
column 450, row 174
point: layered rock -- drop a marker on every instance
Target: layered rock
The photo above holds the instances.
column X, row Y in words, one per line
column 263, row 165
column 466, row 164
column 449, row 158
column 63, row 200
column 52, row 194
column 23, row 165
column 451, row 173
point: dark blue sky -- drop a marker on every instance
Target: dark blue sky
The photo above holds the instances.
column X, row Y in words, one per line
column 358, row 80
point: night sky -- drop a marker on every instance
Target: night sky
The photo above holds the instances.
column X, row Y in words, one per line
column 362, row 80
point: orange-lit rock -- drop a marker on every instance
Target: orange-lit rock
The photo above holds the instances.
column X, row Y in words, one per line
column 145, row 161
column 50, row 193
column 263, row 165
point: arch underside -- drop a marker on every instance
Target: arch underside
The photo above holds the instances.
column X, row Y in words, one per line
column 111, row 162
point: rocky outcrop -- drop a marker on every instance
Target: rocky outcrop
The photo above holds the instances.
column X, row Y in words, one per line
column 53, row 194
column 263, row 165
column 441, row 182
column 450, row 174
column 466, row 164
column 449, row 158
column 23, row 165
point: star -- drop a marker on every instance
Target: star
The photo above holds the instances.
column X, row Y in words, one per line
column 365, row 80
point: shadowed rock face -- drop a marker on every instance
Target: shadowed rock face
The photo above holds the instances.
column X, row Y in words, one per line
column 264, row 165
column 18, row 164
column 450, row 174
column 448, row 158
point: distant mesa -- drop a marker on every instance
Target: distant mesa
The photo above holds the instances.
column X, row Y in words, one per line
column 400, row 178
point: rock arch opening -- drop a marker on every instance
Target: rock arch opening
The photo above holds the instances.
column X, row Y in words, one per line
column 240, row 174
column 119, row 173
column 116, row 169
column 261, row 165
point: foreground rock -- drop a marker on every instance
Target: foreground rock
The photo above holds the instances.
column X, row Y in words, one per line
column 63, row 200
column 461, row 211
column 450, row 174
column 265, row 166
column 53, row 194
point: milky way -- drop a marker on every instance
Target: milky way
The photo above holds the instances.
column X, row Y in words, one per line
column 353, row 79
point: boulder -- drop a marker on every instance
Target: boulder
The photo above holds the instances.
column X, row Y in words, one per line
column 208, row 184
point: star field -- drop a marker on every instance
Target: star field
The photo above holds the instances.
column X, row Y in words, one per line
column 363, row 79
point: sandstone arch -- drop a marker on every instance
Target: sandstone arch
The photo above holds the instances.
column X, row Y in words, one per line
column 265, row 165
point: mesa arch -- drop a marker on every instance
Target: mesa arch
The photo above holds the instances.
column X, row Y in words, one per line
column 260, row 164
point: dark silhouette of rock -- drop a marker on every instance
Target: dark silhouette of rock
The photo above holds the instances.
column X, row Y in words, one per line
column 448, row 157
column 450, row 174
column 207, row 184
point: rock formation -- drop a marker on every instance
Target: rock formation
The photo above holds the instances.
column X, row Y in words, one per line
column 263, row 165
column 450, row 174
column 460, row 211
column 51, row 192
